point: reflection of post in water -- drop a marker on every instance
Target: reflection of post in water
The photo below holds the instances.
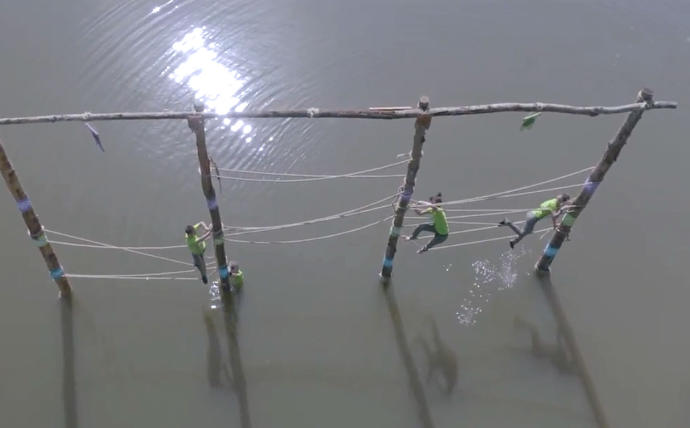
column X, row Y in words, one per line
column 413, row 375
column 215, row 364
column 440, row 358
column 555, row 353
column 69, row 395
column 569, row 338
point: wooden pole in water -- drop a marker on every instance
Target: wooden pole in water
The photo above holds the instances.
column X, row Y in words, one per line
column 33, row 224
column 595, row 178
column 196, row 124
column 421, row 124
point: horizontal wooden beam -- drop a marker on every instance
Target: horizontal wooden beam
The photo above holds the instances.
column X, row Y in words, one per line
column 315, row 113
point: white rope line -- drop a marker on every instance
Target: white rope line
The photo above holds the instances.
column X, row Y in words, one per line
column 517, row 210
column 115, row 247
column 511, row 191
column 303, row 180
column 462, row 244
column 145, row 278
column 178, row 272
column 470, row 215
column 314, row 177
column 352, row 212
column 316, row 238
column 355, row 211
column 476, row 229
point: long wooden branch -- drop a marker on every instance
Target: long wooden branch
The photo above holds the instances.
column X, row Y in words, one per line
column 348, row 114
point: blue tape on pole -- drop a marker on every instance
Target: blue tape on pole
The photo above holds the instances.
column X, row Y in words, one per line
column 550, row 251
column 57, row 273
column 24, row 205
column 212, row 203
column 387, row 262
column 40, row 240
column 223, row 272
column 395, row 231
column 591, row 186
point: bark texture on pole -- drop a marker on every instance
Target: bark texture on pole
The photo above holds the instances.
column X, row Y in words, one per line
column 371, row 113
column 196, row 124
column 420, row 126
column 595, row 178
column 33, row 224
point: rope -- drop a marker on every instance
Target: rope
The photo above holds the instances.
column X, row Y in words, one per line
column 113, row 247
column 476, row 229
column 146, row 278
column 511, row 191
column 120, row 248
column 303, row 180
column 472, row 215
column 517, row 210
column 356, row 174
column 317, row 238
column 352, row 212
column 442, row 247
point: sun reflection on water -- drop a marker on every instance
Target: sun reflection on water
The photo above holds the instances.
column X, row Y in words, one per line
column 213, row 83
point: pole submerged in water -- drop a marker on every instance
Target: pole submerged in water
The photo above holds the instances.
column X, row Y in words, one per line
column 196, row 124
column 33, row 224
column 595, row 178
column 421, row 124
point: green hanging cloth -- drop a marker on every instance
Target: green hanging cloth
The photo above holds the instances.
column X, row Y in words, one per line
column 529, row 120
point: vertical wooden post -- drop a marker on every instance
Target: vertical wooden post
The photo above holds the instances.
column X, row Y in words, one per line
column 595, row 178
column 422, row 123
column 196, row 124
column 33, row 224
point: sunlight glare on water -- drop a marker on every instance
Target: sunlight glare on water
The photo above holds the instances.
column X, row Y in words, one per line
column 213, row 83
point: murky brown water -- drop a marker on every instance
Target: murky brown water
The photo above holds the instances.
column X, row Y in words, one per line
column 320, row 343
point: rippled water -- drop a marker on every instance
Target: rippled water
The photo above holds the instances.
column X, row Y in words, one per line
column 318, row 341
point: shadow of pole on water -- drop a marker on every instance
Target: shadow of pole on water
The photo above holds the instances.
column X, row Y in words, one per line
column 406, row 355
column 569, row 337
column 215, row 366
column 69, row 392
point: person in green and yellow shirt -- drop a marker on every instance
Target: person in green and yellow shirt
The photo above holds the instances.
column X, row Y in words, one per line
column 439, row 225
column 236, row 276
column 197, row 246
column 552, row 207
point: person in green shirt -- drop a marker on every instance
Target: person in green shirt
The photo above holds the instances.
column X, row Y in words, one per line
column 197, row 246
column 236, row 276
column 439, row 225
column 552, row 207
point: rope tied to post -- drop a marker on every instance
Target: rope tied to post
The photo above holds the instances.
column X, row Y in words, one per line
column 39, row 239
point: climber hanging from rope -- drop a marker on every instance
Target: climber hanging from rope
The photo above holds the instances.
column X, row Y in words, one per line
column 438, row 226
column 197, row 246
column 553, row 207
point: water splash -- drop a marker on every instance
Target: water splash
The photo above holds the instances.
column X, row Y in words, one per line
column 489, row 278
column 214, row 292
